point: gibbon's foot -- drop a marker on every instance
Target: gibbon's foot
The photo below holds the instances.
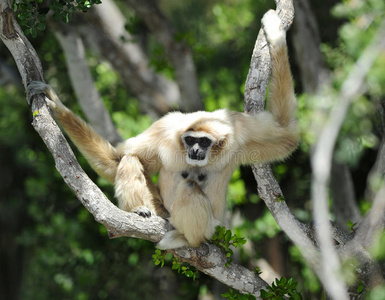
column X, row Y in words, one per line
column 35, row 87
column 273, row 27
column 172, row 240
column 142, row 211
column 39, row 87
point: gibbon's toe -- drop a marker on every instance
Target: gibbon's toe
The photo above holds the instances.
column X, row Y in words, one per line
column 35, row 87
column 273, row 27
column 172, row 240
column 142, row 211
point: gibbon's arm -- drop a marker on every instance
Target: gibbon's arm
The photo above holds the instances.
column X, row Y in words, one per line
column 100, row 154
column 273, row 134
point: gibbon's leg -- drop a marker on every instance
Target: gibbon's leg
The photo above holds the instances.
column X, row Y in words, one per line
column 105, row 159
column 135, row 190
column 191, row 216
column 100, row 154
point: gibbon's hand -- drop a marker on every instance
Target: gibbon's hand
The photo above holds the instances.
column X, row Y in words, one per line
column 273, row 27
column 52, row 100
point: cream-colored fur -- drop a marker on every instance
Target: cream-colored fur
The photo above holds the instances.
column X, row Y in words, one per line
column 193, row 193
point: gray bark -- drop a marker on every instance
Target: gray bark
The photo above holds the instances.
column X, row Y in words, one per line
column 106, row 33
column 83, row 84
column 178, row 52
column 314, row 78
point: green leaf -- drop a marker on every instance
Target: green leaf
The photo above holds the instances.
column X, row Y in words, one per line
column 264, row 294
column 360, row 287
column 228, row 236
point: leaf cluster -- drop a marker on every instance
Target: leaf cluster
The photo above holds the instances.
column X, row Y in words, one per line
column 351, row 225
column 32, row 13
column 158, row 257
column 183, row 268
column 280, row 288
column 223, row 239
column 235, row 295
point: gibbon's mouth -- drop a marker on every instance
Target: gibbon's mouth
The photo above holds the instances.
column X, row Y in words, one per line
column 197, row 157
column 201, row 161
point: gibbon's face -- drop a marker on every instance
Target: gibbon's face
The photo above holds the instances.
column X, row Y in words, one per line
column 198, row 146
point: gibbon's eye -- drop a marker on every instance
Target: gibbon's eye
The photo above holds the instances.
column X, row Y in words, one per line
column 204, row 142
column 189, row 140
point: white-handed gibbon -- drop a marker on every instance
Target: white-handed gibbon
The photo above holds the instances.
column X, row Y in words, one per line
column 194, row 153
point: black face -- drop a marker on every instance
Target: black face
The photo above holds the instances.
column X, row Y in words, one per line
column 203, row 142
column 197, row 147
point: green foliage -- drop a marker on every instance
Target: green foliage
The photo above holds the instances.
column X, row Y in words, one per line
column 351, row 225
column 184, row 268
column 32, row 13
column 279, row 198
column 159, row 257
column 223, row 239
column 235, row 295
column 257, row 270
column 360, row 287
column 280, row 288
column 376, row 294
column 378, row 249
column 236, row 192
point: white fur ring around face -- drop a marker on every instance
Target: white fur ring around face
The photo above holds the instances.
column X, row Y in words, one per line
column 273, row 27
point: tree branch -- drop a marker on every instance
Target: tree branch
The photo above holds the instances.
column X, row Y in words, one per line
column 321, row 164
column 107, row 34
column 268, row 188
column 178, row 52
column 314, row 79
column 81, row 79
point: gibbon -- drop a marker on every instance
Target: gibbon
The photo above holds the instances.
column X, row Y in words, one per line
column 194, row 153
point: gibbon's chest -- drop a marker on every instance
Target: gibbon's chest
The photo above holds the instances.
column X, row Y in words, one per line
column 213, row 184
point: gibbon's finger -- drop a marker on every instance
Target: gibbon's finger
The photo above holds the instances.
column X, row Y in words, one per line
column 143, row 211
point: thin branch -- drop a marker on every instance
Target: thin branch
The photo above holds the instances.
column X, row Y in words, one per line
column 81, row 79
column 321, row 164
column 106, row 33
column 178, row 52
